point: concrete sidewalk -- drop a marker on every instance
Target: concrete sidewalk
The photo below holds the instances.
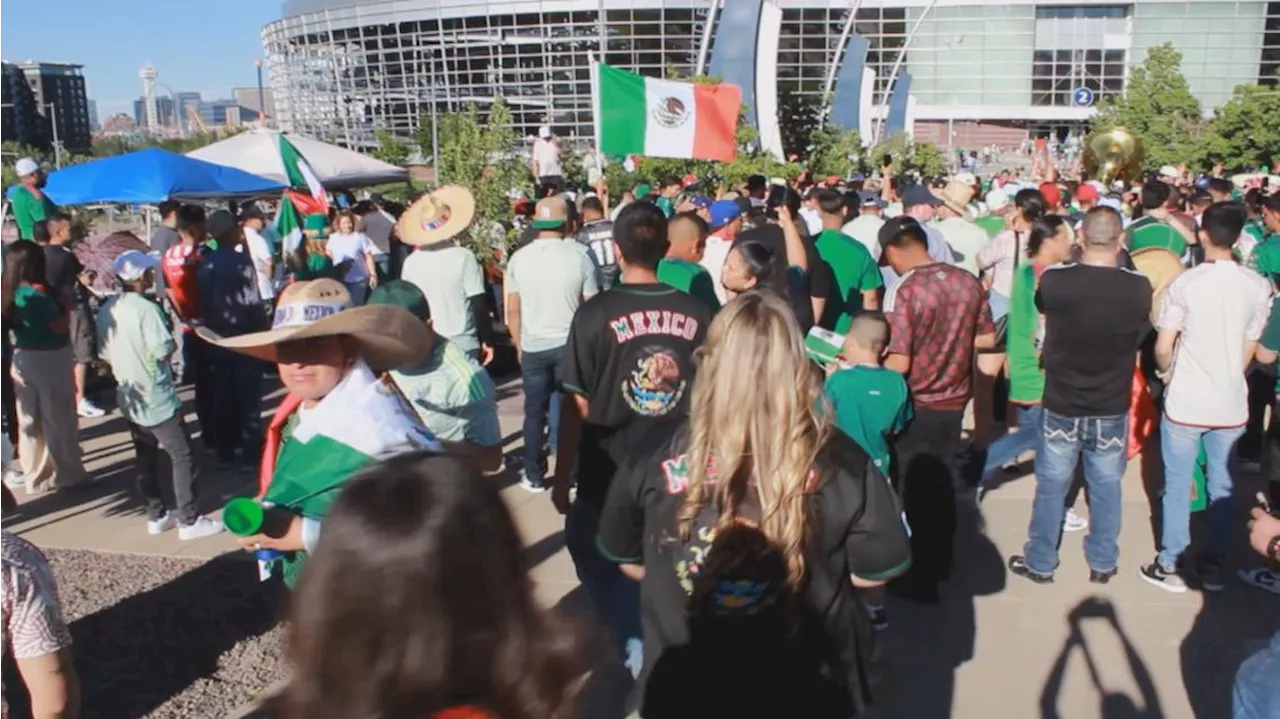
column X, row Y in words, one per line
column 998, row 645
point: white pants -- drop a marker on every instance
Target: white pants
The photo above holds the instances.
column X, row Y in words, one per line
column 48, row 428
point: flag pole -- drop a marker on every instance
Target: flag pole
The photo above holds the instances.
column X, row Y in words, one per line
column 595, row 110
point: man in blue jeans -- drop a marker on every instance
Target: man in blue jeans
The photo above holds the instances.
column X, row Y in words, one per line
column 546, row 281
column 1209, row 325
column 1096, row 315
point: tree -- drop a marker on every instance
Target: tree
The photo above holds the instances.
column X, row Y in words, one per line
column 483, row 157
column 1158, row 107
column 1245, row 133
column 923, row 157
column 835, row 152
column 799, row 120
column 390, row 149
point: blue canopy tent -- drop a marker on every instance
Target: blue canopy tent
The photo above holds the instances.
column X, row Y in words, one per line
column 150, row 176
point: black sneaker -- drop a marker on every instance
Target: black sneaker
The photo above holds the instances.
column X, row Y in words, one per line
column 1166, row 579
column 1018, row 565
column 970, row 463
column 1100, row 577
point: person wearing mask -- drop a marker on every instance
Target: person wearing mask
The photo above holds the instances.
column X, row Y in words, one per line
column 338, row 416
column 261, row 254
column 548, row 174
column 392, row 600
column 725, row 225
column 596, row 234
column 1154, row 229
column 964, row 238
column 37, row 323
column 446, row 272
column 921, row 205
column 452, row 394
column 865, row 228
column 70, row 281
column 687, row 234
column 379, row 226
column 627, row 365
column 27, row 199
column 547, row 280
column 136, row 341
column 166, row 233
column 1096, row 315
column 35, row 632
column 230, row 307
column 938, row 317
column 753, row 525
column 857, row 282
column 1209, row 325
column 352, row 254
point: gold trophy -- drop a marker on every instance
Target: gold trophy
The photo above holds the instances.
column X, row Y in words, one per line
column 1113, row 154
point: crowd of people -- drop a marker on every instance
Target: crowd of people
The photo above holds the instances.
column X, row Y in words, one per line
column 735, row 506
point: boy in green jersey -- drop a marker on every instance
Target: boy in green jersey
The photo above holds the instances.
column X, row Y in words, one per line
column 871, row 405
column 687, row 235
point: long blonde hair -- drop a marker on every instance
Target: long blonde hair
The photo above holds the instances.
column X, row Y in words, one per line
column 756, row 417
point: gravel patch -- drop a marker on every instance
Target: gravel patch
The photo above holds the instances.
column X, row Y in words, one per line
column 168, row 637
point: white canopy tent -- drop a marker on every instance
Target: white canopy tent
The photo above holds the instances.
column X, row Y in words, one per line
column 258, row 152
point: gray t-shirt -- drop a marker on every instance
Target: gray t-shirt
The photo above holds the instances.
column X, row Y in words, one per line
column 448, row 276
column 552, row 276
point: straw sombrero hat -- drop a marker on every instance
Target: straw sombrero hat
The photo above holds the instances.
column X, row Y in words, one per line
column 956, row 195
column 437, row 216
column 388, row 336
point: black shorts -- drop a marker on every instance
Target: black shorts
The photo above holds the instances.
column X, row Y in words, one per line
column 83, row 341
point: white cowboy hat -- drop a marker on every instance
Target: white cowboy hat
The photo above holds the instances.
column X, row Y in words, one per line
column 387, row 336
column 437, row 216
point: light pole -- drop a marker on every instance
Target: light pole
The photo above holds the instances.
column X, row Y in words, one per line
column 262, row 103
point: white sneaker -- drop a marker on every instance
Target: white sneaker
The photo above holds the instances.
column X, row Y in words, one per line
column 1073, row 522
column 14, row 479
column 1262, row 579
column 162, row 525
column 202, row 527
column 89, row 409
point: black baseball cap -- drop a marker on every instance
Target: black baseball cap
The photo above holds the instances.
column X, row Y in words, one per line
column 251, row 212
column 919, row 195
column 892, row 229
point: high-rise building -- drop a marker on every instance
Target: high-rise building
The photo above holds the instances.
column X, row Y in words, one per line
column 186, row 100
column 225, row 112
column 58, row 91
column 248, row 97
column 93, row 115
column 20, row 120
column 163, row 111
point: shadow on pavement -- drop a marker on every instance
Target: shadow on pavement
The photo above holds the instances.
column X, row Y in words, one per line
column 607, row 693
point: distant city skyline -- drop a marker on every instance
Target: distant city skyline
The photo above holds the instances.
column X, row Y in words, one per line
column 211, row 54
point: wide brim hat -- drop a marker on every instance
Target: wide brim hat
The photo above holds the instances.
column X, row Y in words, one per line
column 956, row 195
column 387, row 336
column 437, row 216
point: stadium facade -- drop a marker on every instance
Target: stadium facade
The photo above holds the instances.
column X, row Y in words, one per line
column 980, row 71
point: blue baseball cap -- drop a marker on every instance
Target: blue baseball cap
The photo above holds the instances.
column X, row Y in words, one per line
column 857, row 177
column 919, row 195
column 700, row 201
column 723, row 212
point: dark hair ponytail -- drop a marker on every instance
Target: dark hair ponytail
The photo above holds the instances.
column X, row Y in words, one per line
column 1042, row 229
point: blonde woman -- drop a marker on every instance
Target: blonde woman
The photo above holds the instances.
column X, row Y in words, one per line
column 750, row 523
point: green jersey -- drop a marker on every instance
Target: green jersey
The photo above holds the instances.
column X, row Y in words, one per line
column 1266, row 257
column 36, row 322
column 1026, row 378
column 993, row 224
column 29, row 207
column 1270, row 339
column 855, row 272
column 871, row 406
column 690, row 278
column 1149, row 232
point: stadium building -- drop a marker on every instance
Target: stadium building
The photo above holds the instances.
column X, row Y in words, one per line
column 976, row 71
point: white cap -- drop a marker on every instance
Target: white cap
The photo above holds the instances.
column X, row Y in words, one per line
column 131, row 265
column 1169, row 171
column 26, row 166
column 996, row 200
column 545, row 132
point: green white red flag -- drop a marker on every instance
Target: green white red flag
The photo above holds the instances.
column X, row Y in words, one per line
column 660, row 118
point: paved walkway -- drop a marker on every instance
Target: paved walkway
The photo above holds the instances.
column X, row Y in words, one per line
column 999, row 646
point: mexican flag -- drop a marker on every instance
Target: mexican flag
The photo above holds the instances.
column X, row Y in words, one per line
column 301, row 176
column 288, row 224
column 659, row 118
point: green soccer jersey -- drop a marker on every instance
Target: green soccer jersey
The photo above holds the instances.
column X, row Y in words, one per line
column 993, row 224
column 1149, row 232
column 1270, row 339
column 690, row 278
column 855, row 272
column 28, row 209
column 1266, row 257
column 871, row 406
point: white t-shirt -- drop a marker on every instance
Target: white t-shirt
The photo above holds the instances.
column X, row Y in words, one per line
column 378, row 226
column 343, row 246
column 713, row 258
column 547, row 154
column 1216, row 307
column 260, row 254
column 552, row 276
column 812, row 220
column 448, row 276
column 965, row 240
column 866, row 229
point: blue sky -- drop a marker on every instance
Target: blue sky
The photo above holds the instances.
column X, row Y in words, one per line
column 205, row 47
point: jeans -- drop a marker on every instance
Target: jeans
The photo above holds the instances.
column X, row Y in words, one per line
column 1180, row 443
column 540, row 374
column 1103, row 442
column 171, row 436
column 359, row 292
column 615, row 595
column 198, row 365
column 382, row 263
column 237, row 407
column 1011, row 446
column 924, row 454
column 1256, row 693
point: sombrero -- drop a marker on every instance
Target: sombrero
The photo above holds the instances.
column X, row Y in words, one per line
column 388, row 336
column 437, row 216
